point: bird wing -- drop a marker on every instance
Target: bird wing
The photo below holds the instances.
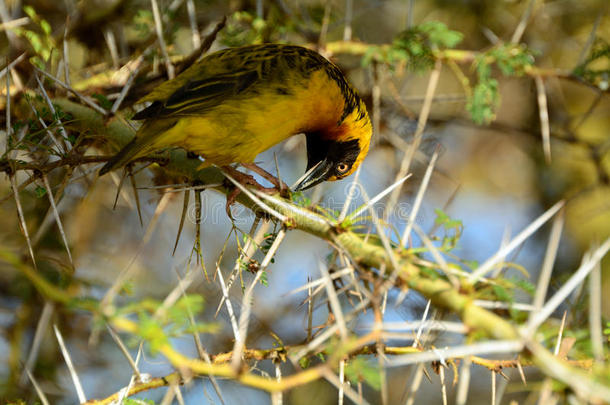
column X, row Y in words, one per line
column 199, row 95
column 227, row 74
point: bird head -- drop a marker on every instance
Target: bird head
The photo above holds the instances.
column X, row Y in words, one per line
column 336, row 152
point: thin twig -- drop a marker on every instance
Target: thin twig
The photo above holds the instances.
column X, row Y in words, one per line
column 44, row 125
column 348, row 391
column 10, row 65
column 56, row 118
column 368, row 205
column 415, row 383
column 560, row 333
column 334, row 302
column 39, row 391
column 341, row 394
column 595, row 312
column 418, row 199
column 123, row 348
column 41, row 330
column 159, row 30
column 441, row 375
column 523, row 23
column 310, row 298
column 133, row 72
column 185, row 208
column 277, row 397
column 77, row 384
column 128, row 271
column 244, row 317
column 440, row 260
column 111, row 43
column 493, row 388
column 320, row 281
column 549, row 260
column 405, row 165
column 577, row 277
column 585, row 49
column 253, row 242
column 376, row 94
column 517, row 240
column 136, row 195
column 350, row 195
column 421, row 327
column 462, row 390
column 195, row 37
column 349, row 13
column 543, row 111
column 496, row 346
column 324, row 27
column 66, row 52
column 9, row 129
column 57, row 218
column 22, row 223
column 183, row 284
column 229, row 305
column 83, row 98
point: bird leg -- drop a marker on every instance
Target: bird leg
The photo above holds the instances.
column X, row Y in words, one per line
column 263, row 173
column 280, row 186
column 244, row 179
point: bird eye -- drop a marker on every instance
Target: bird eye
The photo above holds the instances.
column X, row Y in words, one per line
column 342, row 168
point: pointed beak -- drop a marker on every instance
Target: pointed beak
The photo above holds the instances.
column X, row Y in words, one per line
column 317, row 174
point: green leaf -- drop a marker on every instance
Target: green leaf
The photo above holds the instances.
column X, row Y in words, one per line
column 201, row 327
column 596, row 67
column 359, row 369
column 511, row 60
column 453, row 229
column 416, row 46
column 40, row 191
column 29, row 10
column 263, row 279
column 150, row 330
column 525, row 286
column 441, row 36
column 502, row 293
column 103, row 101
column 472, row 264
column 180, row 312
column 46, row 27
column 483, row 102
column 430, row 273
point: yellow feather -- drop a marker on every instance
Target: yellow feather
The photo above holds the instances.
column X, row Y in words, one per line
column 234, row 104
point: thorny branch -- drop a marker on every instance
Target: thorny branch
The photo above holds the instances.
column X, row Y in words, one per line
column 366, row 255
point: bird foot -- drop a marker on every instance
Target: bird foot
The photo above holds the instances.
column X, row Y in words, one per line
column 280, row 186
column 245, row 179
column 264, row 174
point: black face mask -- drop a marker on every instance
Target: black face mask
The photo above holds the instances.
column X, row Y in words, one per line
column 324, row 157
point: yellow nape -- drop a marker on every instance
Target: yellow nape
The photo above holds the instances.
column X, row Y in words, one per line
column 357, row 125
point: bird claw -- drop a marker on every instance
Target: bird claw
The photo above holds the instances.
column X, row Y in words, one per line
column 246, row 179
column 231, row 198
column 264, row 174
column 279, row 185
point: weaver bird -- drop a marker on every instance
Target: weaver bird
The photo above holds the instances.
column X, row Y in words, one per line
column 235, row 103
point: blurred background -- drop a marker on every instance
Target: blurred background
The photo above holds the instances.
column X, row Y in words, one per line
column 493, row 177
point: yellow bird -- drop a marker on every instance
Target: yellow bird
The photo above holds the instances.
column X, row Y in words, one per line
column 235, row 103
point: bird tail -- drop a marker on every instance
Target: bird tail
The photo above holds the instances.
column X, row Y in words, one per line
column 125, row 155
column 148, row 139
